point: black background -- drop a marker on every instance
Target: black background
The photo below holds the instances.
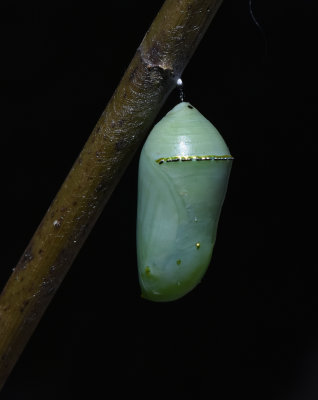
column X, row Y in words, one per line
column 250, row 328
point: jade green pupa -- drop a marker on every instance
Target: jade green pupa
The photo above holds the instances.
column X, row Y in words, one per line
column 184, row 169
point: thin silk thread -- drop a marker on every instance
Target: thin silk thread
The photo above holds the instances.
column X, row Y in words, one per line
column 258, row 26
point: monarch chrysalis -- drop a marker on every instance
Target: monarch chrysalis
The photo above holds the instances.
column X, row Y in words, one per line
column 184, row 169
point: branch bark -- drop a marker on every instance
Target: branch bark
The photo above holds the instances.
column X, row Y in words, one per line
column 151, row 76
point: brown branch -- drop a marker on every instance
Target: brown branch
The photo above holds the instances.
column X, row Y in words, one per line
column 150, row 77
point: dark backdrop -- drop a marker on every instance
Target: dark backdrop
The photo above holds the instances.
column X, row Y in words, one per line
column 250, row 328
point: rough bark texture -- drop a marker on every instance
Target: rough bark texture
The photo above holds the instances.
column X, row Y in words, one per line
column 150, row 77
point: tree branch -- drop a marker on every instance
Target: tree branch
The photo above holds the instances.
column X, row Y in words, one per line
column 150, row 77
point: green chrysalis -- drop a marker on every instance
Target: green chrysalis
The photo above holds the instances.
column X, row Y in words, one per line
column 184, row 169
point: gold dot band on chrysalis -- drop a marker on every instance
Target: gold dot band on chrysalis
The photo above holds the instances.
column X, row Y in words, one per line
column 194, row 158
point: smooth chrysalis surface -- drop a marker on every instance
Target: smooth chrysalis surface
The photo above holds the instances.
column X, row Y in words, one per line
column 184, row 169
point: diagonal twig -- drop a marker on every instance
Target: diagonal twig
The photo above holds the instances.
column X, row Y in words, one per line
column 152, row 74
